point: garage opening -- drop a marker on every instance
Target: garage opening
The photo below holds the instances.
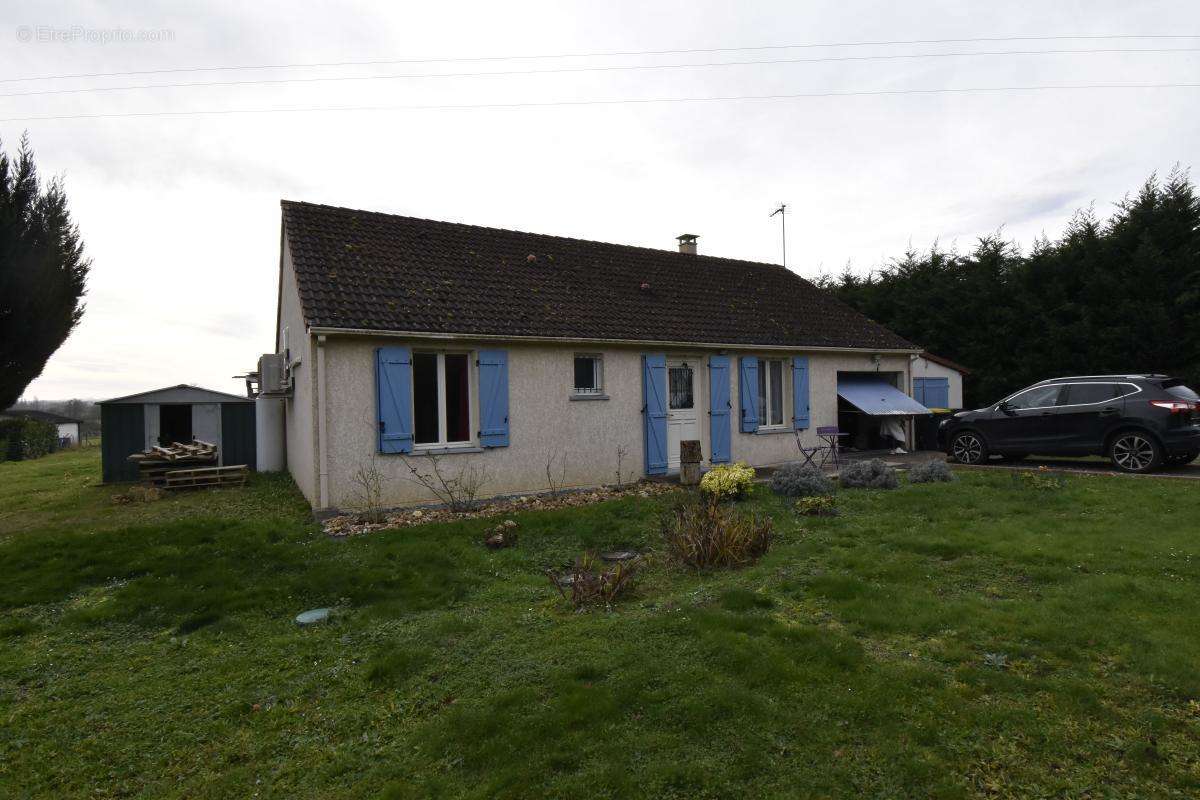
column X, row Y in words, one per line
column 874, row 410
column 174, row 424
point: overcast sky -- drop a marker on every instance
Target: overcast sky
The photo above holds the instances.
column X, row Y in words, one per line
column 180, row 213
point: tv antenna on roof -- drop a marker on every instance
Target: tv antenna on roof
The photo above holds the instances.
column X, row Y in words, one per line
column 782, row 212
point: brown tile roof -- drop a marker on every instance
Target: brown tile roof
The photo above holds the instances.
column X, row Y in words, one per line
column 360, row 269
column 945, row 362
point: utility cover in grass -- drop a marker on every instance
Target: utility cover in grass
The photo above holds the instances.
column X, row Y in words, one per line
column 313, row 617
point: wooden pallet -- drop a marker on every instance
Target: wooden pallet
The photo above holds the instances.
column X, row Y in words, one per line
column 207, row 476
column 155, row 472
column 177, row 451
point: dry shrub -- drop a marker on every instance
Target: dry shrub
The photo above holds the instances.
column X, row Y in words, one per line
column 457, row 490
column 702, row 534
column 139, row 494
column 367, row 494
column 592, row 582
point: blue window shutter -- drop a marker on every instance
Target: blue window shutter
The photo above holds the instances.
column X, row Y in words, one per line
column 493, row 398
column 800, row 402
column 919, row 391
column 748, row 392
column 393, row 389
column 718, row 408
column 937, row 393
column 654, row 411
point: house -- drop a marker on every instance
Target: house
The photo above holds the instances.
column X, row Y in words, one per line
column 409, row 344
column 937, row 381
column 68, row 427
column 181, row 413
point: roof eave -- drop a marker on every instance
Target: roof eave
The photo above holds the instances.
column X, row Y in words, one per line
column 332, row 331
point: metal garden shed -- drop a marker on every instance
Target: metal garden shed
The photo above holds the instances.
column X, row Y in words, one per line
column 174, row 414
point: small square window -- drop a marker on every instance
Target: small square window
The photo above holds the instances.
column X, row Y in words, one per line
column 589, row 374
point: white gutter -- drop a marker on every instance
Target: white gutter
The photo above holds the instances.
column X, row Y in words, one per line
column 326, row 331
column 322, row 426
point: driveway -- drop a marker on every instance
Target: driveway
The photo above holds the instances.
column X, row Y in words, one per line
column 1086, row 466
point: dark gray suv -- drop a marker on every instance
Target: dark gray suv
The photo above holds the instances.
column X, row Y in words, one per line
column 1141, row 422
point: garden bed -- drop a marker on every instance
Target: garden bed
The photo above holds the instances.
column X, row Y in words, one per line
column 354, row 524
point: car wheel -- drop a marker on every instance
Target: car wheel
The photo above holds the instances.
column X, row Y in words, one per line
column 1134, row 451
column 968, row 448
column 1180, row 460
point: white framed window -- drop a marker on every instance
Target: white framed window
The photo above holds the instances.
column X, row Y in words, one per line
column 770, row 392
column 443, row 398
column 589, row 374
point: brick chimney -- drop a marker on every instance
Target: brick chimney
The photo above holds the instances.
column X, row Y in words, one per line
column 687, row 243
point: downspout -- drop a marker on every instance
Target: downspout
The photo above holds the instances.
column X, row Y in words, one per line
column 322, row 426
column 912, row 422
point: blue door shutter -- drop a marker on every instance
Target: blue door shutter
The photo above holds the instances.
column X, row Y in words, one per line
column 748, row 392
column 935, row 392
column 393, row 389
column 493, row 398
column 919, row 391
column 654, row 411
column 718, row 408
column 800, row 403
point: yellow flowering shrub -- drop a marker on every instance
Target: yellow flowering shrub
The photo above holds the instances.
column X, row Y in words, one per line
column 728, row 481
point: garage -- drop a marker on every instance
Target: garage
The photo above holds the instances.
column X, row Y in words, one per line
column 874, row 412
column 180, row 413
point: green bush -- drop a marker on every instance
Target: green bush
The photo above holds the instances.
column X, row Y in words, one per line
column 800, row 480
column 728, row 481
column 816, row 506
column 26, row 438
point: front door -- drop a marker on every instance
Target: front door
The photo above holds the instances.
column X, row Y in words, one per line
column 683, row 419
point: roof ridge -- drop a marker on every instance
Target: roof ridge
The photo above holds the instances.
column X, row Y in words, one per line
column 284, row 202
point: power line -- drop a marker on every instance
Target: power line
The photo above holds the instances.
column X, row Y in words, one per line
column 621, row 101
column 570, row 70
column 608, row 54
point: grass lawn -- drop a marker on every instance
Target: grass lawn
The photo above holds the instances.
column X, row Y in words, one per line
column 980, row 639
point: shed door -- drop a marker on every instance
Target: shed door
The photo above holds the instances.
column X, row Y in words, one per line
column 206, row 426
column 124, row 432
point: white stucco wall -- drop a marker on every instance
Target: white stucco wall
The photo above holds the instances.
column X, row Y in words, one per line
column 543, row 419
column 299, row 408
column 69, row 430
column 924, row 368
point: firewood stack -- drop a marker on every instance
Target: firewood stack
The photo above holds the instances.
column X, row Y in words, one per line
column 155, row 463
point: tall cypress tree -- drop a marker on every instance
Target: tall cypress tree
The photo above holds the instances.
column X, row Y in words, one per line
column 1115, row 296
column 43, row 272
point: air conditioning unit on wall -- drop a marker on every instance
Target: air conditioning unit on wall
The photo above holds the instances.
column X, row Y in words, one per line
column 273, row 374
